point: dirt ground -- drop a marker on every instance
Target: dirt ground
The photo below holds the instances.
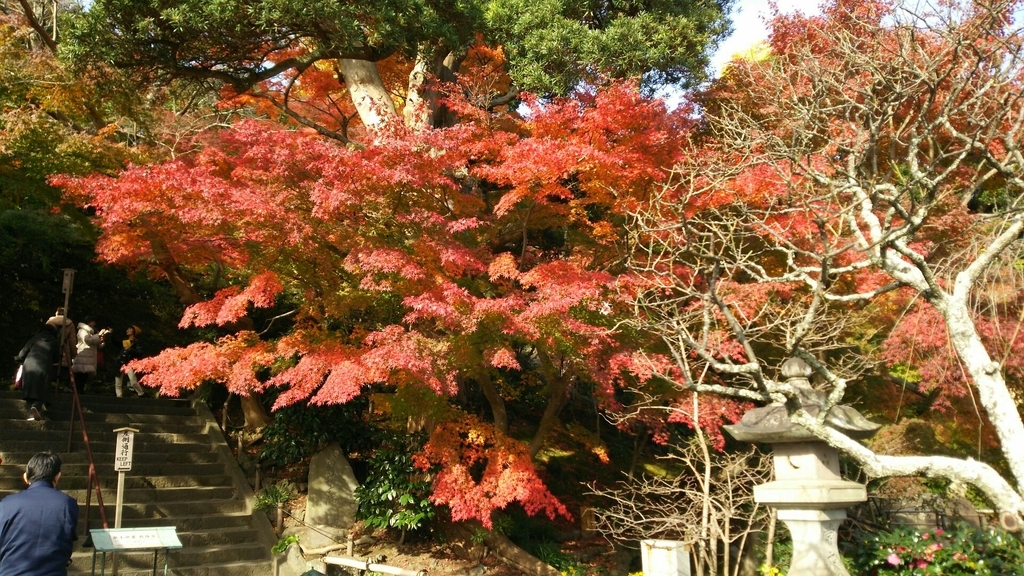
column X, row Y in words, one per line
column 437, row 559
column 450, row 556
column 456, row 560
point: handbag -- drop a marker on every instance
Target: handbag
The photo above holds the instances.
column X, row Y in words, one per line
column 17, row 377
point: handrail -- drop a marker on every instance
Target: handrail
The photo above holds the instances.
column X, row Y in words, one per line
column 94, row 480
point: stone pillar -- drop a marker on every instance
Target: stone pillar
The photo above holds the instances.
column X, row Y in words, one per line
column 808, row 492
column 811, row 498
column 665, row 558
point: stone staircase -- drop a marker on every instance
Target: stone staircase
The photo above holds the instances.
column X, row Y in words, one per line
column 183, row 475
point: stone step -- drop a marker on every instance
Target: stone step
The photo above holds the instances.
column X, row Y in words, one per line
column 98, row 448
column 142, row 467
column 107, row 422
column 183, row 476
column 152, row 495
column 202, row 475
column 165, row 494
column 183, row 524
column 14, row 398
column 262, row 568
column 178, row 425
column 167, row 511
column 183, row 558
column 98, row 436
column 241, row 532
column 62, row 402
column 226, row 536
column 77, row 463
column 103, row 419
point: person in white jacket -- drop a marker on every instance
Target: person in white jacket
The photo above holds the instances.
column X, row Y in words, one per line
column 66, row 331
column 89, row 344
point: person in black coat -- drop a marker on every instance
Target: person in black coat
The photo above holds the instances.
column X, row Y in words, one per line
column 130, row 350
column 39, row 369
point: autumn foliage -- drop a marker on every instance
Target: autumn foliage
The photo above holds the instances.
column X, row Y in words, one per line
column 478, row 471
column 852, row 198
column 427, row 258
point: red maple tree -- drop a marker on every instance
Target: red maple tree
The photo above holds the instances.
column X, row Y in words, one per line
column 428, row 258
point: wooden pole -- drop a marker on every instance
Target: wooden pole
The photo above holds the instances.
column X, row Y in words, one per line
column 366, row 565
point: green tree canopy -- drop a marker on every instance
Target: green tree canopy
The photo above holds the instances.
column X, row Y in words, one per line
column 551, row 46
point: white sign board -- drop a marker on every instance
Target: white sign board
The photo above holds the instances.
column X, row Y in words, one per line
column 135, row 538
column 123, row 451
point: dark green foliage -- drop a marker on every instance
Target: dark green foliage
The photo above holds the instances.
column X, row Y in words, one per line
column 959, row 550
column 39, row 237
column 551, row 554
column 170, row 38
column 300, row 431
column 275, row 494
column 395, row 493
column 35, row 246
column 552, row 45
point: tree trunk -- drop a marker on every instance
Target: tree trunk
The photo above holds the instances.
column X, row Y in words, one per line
column 504, row 548
column 638, row 449
column 993, row 395
column 422, row 110
column 256, row 416
column 556, row 401
column 169, row 266
column 366, row 88
column 420, row 101
column 968, row 471
column 498, row 411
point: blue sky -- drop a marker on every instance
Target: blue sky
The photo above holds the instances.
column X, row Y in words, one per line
column 748, row 25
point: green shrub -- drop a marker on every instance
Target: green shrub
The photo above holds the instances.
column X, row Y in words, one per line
column 551, row 554
column 298, row 432
column 275, row 494
column 782, row 554
column 284, row 543
column 394, row 494
column 959, row 550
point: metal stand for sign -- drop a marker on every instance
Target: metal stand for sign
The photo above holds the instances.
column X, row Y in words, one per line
column 126, row 539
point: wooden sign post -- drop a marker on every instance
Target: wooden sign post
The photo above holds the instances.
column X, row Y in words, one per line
column 122, row 463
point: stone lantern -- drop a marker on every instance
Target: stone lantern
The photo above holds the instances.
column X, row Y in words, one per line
column 808, row 492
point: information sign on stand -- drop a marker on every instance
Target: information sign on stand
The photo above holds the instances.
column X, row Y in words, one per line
column 134, row 539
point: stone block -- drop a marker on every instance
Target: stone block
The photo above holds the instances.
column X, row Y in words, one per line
column 805, row 460
column 331, row 499
column 810, row 494
column 665, row 558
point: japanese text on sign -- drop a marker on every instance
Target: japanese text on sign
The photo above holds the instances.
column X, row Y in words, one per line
column 135, row 540
column 123, row 451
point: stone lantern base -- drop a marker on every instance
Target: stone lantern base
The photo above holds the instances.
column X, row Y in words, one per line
column 813, row 511
column 815, row 549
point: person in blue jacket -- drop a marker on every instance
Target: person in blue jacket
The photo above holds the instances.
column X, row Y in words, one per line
column 38, row 525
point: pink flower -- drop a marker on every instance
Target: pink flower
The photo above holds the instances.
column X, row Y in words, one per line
column 894, row 559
